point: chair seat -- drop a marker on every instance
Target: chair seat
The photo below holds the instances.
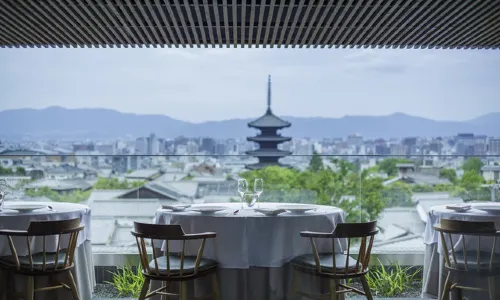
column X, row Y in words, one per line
column 325, row 259
column 175, row 264
column 24, row 261
column 484, row 260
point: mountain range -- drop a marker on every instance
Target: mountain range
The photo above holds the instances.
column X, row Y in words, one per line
column 97, row 123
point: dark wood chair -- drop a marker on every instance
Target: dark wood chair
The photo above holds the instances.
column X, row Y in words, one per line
column 337, row 266
column 44, row 263
column 468, row 263
column 173, row 267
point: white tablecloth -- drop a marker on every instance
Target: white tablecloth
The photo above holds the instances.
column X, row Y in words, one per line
column 253, row 250
column 84, row 267
column 434, row 271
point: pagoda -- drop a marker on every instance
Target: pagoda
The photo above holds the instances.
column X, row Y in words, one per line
column 268, row 139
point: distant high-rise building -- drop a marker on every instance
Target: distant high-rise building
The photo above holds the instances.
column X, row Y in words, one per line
column 494, row 146
column 208, row 145
column 410, row 146
column 83, row 147
column 152, row 144
column 141, row 146
column 465, row 144
column 480, row 145
column 268, row 139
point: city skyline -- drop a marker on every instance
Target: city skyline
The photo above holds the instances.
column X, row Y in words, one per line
column 199, row 85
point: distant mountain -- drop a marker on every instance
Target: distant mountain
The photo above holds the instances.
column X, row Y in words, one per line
column 58, row 122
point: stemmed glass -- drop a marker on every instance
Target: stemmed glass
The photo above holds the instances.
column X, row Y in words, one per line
column 258, row 187
column 242, row 189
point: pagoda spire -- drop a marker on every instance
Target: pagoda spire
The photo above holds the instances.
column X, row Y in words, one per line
column 269, row 94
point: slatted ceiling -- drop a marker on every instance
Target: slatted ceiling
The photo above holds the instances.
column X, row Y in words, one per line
column 188, row 23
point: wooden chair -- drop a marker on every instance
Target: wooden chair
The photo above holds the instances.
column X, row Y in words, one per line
column 461, row 261
column 44, row 263
column 173, row 267
column 337, row 266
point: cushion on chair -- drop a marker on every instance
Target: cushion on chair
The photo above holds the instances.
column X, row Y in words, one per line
column 326, row 262
column 175, row 264
column 484, row 259
column 37, row 260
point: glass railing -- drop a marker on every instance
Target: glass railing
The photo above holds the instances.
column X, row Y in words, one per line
column 398, row 191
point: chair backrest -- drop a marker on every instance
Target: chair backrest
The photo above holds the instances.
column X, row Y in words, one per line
column 67, row 236
column 164, row 234
column 475, row 230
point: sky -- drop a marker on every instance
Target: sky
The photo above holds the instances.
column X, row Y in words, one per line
column 223, row 83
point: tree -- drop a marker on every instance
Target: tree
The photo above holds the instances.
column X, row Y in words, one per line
column 388, row 165
column 20, row 171
column 316, row 163
column 449, row 174
column 471, row 180
column 73, row 197
column 473, row 164
column 115, row 184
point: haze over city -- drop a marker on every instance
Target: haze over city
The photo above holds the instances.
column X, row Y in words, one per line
column 215, row 84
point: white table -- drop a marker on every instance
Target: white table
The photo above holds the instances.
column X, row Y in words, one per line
column 253, row 250
column 84, row 267
column 434, row 270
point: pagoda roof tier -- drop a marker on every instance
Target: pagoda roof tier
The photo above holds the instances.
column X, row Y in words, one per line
column 268, row 153
column 262, row 165
column 275, row 138
column 269, row 120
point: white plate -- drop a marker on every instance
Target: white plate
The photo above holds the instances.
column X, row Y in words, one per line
column 25, row 208
column 489, row 207
column 297, row 208
column 177, row 207
column 270, row 211
column 208, row 210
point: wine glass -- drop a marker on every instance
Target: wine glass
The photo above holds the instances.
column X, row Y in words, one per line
column 2, row 199
column 242, row 189
column 249, row 199
column 258, row 187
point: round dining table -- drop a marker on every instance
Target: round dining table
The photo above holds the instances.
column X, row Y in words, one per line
column 435, row 273
column 254, row 250
column 83, row 271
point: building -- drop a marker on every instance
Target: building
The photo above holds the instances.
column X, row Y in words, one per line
column 268, row 139
column 152, row 144
column 465, row 144
column 494, row 146
column 141, row 146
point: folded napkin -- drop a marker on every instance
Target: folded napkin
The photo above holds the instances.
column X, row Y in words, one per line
column 176, row 206
column 458, row 207
column 270, row 211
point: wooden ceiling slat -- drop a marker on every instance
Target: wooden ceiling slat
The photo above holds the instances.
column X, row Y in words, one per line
column 89, row 23
column 269, row 21
column 278, row 24
column 347, row 25
column 298, row 12
column 360, row 23
column 234, row 8
column 289, row 10
column 343, row 23
column 436, row 25
column 160, row 38
column 319, row 24
column 171, row 15
column 215, row 8
column 483, row 10
column 183, row 22
column 384, row 11
column 251, row 24
column 243, row 23
column 262, row 9
column 468, row 33
column 191, row 22
column 424, row 22
column 298, row 35
column 101, row 19
column 391, row 22
column 328, row 27
column 34, row 25
column 210, row 24
column 84, row 35
column 21, row 31
column 334, row 31
column 131, row 6
column 226, row 22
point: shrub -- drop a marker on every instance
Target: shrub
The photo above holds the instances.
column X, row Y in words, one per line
column 391, row 281
column 127, row 282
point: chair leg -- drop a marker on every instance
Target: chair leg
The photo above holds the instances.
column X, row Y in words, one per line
column 183, row 290
column 333, row 289
column 30, row 289
column 295, row 284
column 72, row 285
column 145, row 288
column 366, row 288
column 491, row 287
column 215, row 286
column 446, row 288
